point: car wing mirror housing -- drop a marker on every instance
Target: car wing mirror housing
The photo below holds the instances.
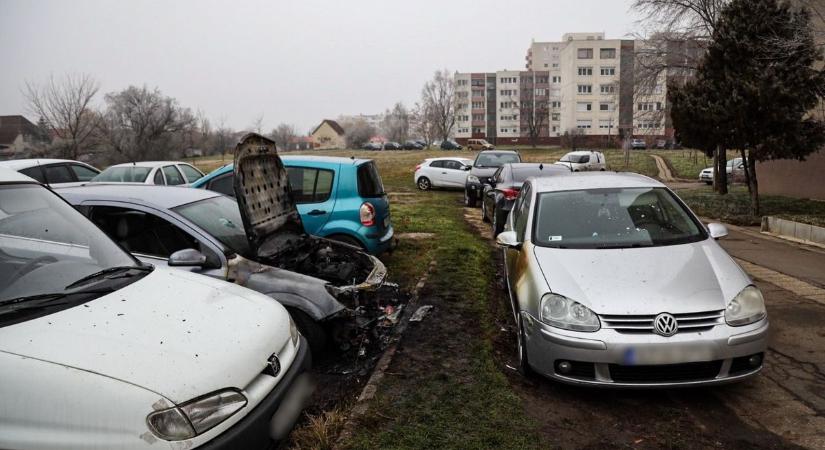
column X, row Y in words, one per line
column 717, row 230
column 468, row 167
column 508, row 239
column 187, row 257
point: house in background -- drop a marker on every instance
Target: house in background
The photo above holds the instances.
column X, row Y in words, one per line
column 329, row 135
column 301, row 143
column 19, row 138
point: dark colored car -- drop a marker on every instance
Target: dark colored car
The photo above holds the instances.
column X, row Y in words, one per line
column 500, row 193
column 449, row 144
column 413, row 145
column 422, row 143
column 392, row 146
column 484, row 166
column 372, row 146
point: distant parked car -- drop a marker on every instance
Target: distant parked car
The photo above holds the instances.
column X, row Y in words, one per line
column 661, row 143
column 421, row 142
column 479, row 144
column 583, row 161
column 338, row 198
column 53, row 172
column 638, row 144
column 392, row 146
column 484, row 166
column 615, row 282
column 372, row 146
column 450, row 144
column 413, row 145
column 735, row 169
column 442, row 172
column 500, row 193
column 100, row 351
column 171, row 173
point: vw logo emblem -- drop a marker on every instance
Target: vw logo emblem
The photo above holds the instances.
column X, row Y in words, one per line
column 665, row 325
column 273, row 366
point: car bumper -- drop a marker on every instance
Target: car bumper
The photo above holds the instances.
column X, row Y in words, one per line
column 254, row 430
column 474, row 189
column 706, row 176
column 612, row 359
column 377, row 244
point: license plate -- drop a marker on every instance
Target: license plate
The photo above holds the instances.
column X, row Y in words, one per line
column 665, row 354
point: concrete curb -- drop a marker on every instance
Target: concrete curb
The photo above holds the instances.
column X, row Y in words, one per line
column 794, row 231
column 368, row 393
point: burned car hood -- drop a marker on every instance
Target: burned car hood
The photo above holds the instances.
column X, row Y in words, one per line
column 677, row 278
column 265, row 199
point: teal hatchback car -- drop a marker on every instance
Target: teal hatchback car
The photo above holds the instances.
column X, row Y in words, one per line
column 338, row 198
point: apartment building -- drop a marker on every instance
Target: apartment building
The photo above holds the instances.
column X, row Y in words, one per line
column 583, row 82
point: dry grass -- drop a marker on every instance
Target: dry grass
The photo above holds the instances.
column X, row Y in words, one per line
column 319, row 432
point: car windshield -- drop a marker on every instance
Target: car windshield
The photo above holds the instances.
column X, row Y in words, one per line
column 613, row 218
column 575, row 159
column 46, row 245
column 123, row 174
column 221, row 218
column 496, row 159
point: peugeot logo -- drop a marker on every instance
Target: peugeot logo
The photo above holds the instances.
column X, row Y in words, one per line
column 665, row 325
column 273, row 366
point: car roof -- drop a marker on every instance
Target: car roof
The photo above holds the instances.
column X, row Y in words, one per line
column 449, row 158
column 164, row 197
column 18, row 164
column 8, row 175
column 498, row 151
column 582, row 152
column 149, row 163
column 594, row 180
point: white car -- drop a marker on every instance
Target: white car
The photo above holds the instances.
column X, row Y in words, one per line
column 733, row 167
column 53, row 172
column 583, row 160
column 442, row 172
column 172, row 173
column 98, row 351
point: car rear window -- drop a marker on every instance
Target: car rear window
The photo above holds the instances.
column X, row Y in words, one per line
column 369, row 182
column 124, row 174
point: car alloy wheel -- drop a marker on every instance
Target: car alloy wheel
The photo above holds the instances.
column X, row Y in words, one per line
column 424, row 183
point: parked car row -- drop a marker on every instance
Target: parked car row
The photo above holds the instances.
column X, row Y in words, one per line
column 132, row 315
column 416, row 144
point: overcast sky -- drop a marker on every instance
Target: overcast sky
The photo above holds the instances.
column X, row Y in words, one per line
column 288, row 61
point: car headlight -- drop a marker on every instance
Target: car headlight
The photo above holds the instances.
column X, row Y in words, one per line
column 473, row 179
column 196, row 416
column 294, row 335
column 561, row 312
column 747, row 307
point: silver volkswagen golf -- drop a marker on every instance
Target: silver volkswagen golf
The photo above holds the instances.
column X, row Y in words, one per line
column 615, row 282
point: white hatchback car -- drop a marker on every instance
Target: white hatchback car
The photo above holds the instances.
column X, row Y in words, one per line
column 98, row 351
column 53, row 172
column 171, row 173
column 442, row 172
column 583, row 161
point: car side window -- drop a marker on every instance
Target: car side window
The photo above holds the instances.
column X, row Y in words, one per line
column 173, row 176
column 520, row 225
column 58, row 174
column 453, row 165
column 223, row 184
column 190, row 172
column 82, row 173
column 310, row 185
column 35, row 173
column 437, row 164
column 323, row 186
column 158, row 180
column 585, row 159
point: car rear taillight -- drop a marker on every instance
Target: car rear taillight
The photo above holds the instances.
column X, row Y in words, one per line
column 417, row 167
column 367, row 213
column 510, row 194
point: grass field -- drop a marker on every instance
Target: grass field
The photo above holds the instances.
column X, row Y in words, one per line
column 735, row 206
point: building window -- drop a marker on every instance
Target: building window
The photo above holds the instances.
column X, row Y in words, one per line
column 462, row 82
column 584, row 106
column 478, row 117
column 556, row 79
column 462, row 94
column 555, row 104
column 541, row 92
column 584, row 124
column 545, row 64
column 477, row 82
column 605, row 124
column 585, row 71
column 607, row 89
column 585, row 89
column 645, row 107
column 658, row 106
column 607, row 53
column 463, row 118
column 542, row 79
column 608, row 71
column 585, row 53
column 508, row 105
column 477, row 105
column 555, row 117
column 555, row 65
column 606, row 107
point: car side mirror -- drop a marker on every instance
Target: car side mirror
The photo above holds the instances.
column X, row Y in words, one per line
column 508, row 239
column 717, row 230
column 187, row 257
column 466, row 167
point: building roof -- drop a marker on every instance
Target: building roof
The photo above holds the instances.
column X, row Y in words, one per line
column 335, row 126
column 13, row 126
column 595, row 180
column 164, row 197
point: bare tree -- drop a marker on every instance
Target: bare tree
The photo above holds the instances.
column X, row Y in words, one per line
column 573, row 138
column 257, row 124
column 396, row 123
column 534, row 108
column 283, row 134
column 421, row 124
column 139, row 123
column 64, row 105
column 437, row 101
column 357, row 132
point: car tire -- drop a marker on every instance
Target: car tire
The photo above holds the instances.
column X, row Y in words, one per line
column 484, row 217
column 310, row 329
column 521, row 347
column 497, row 225
column 469, row 200
column 424, row 184
column 708, row 182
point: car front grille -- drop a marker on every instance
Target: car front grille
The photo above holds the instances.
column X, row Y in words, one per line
column 665, row 373
column 643, row 324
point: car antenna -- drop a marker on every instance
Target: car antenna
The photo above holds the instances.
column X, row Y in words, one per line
column 352, row 157
column 541, row 166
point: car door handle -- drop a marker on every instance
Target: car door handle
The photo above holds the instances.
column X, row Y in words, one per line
column 443, row 173
column 316, row 212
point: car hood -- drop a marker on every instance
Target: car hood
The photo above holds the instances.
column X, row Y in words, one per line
column 676, row 279
column 483, row 171
column 270, row 216
column 177, row 334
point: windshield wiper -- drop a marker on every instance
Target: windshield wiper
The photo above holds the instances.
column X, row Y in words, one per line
column 45, row 300
column 634, row 245
column 106, row 272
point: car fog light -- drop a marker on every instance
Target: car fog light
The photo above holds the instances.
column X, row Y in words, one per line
column 564, row 367
column 755, row 360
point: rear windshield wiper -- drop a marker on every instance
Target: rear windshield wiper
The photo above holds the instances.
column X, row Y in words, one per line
column 108, row 271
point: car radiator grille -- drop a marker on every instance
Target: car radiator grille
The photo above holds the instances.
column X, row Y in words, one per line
column 695, row 371
column 643, row 324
